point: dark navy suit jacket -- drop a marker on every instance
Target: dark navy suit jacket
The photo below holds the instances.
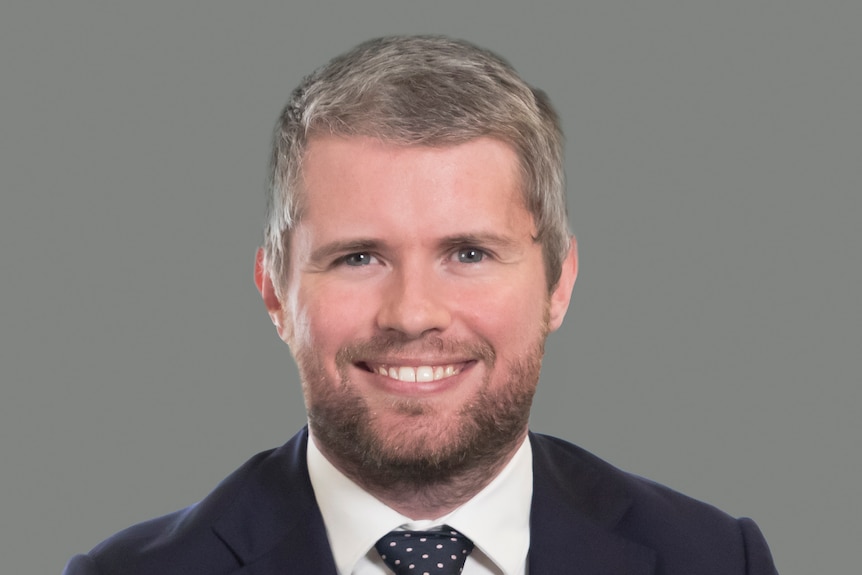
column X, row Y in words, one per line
column 587, row 518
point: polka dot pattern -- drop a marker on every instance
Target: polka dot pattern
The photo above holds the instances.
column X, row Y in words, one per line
column 425, row 552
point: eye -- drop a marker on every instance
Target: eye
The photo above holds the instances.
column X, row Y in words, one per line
column 470, row 255
column 358, row 259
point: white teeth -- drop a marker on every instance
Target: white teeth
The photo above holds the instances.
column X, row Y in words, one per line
column 406, row 374
column 419, row 373
column 424, row 373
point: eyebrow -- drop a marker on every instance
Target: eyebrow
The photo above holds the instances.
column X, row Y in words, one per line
column 338, row 247
column 482, row 239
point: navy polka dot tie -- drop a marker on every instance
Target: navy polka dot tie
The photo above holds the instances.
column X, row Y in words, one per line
column 425, row 552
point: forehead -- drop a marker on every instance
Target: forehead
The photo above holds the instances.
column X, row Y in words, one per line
column 351, row 175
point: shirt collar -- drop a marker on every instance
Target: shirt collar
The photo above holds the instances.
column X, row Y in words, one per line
column 497, row 519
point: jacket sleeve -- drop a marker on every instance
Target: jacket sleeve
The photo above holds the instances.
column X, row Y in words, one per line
column 81, row 565
column 758, row 559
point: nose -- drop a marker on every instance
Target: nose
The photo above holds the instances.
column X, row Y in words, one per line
column 414, row 303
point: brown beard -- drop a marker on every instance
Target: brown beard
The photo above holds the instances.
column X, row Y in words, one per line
column 429, row 451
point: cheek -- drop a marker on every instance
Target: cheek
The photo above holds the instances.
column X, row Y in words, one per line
column 331, row 317
column 509, row 319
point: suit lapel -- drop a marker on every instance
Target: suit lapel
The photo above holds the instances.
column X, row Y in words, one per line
column 576, row 507
column 274, row 525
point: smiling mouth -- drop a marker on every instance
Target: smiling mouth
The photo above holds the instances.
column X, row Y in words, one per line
column 415, row 373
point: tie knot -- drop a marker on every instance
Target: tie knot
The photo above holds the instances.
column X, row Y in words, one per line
column 440, row 552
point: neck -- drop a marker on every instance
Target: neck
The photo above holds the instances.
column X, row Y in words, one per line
column 418, row 499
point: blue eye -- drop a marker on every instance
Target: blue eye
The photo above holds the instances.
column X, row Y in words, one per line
column 358, row 259
column 470, row 255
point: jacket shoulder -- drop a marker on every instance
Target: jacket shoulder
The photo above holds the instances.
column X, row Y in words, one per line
column 189, row 540
column 682, row 530
column 571, row 463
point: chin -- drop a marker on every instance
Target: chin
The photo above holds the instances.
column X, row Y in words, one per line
column 410, row 442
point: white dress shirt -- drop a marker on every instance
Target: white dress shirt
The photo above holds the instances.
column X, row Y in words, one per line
column 497, row 519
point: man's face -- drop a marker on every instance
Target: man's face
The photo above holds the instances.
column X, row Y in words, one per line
column 416, row 304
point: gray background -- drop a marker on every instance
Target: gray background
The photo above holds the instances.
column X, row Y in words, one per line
column 714, row 175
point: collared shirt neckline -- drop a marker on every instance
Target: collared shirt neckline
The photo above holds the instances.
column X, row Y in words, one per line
column 497, row 519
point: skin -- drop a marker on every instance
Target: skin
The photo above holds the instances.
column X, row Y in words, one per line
column 424, row 258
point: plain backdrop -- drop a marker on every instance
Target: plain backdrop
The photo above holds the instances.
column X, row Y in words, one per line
column 713, row 159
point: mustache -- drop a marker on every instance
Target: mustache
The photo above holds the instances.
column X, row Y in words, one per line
column 397, row 344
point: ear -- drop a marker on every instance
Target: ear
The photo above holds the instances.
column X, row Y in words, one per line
column 562, row 293
column 264, row 284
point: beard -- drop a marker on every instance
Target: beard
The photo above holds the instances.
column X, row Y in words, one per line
column 432, row 445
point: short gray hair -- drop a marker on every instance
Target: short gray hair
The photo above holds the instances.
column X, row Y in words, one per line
column 420, row 90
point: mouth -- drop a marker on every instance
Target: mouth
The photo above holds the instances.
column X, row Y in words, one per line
column 415, row 373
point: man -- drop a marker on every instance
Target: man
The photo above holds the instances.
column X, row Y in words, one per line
column 416, row 257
